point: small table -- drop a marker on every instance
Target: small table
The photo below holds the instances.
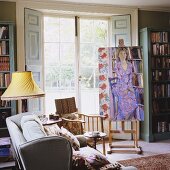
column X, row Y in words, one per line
column 52, row 121
column 95, row 136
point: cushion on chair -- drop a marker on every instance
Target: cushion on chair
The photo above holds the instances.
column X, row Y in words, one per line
column 71, row 116
column 52, row 130
column 69, row 136
column 32, row 127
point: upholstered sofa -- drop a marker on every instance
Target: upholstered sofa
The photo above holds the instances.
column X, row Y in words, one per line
column 45, row 152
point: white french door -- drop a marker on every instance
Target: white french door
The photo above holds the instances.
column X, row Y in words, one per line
column 93, row 34
column 71, row 60
column 59, row 55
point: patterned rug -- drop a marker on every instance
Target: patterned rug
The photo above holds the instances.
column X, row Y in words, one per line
column 156, row 162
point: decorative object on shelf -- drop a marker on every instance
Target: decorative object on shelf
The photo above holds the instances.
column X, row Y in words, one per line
column 22, row 87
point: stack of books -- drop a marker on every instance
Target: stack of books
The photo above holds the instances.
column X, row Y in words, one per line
column 5, row 152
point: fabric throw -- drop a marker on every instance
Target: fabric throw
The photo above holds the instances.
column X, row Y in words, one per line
column 52, row 130
column 92, row 162
column 69, row 136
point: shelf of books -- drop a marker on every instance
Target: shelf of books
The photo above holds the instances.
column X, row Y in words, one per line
column 7, row 108
column 156, row 44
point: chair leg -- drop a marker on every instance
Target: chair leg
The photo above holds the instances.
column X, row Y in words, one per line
column 104, row 149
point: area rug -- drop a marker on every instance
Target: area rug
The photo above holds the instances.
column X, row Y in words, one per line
column 156, row 162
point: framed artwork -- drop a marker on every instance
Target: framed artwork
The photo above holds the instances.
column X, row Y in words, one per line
column 121, row 91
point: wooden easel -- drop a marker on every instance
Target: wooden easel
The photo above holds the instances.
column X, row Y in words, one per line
column 134, row 131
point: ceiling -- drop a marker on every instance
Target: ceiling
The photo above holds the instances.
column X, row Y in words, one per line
column 155, row 4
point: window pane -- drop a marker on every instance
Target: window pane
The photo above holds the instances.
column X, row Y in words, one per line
column 52, row 77
column 67, row 78
column 86, row 34
column 87, row 54
column 100, row 30
column 51, row 53
column 51, row 29
column 67, row 53
column 67, row 30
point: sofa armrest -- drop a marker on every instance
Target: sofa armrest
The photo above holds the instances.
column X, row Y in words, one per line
column 52, row 153
column 82, row 139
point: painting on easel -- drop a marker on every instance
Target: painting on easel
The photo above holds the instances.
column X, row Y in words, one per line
column 121, row 92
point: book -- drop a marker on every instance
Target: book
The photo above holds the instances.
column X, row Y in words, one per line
column 5, row 142
column 134, row 53
column 159, row 37
column 137, row 66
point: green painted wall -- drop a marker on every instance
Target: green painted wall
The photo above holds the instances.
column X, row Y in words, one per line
column 7, row 11
column 155, row 19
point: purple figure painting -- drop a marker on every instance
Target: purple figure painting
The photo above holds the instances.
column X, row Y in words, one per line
column 126, row 106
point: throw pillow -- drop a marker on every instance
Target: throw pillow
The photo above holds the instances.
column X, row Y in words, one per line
column 52, row 130
column 32, row 127
column 69, row 136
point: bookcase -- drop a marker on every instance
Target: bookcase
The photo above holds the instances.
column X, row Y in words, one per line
column 7, row 108
column 156, row 50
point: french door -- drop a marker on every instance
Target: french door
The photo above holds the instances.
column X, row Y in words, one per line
column 93, row 34
column 71, row 60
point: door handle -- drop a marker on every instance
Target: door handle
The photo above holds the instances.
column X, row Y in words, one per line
column 80, row 77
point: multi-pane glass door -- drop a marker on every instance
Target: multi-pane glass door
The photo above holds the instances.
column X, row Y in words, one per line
column 59, row 55
column 71, row 67
column 93, row 34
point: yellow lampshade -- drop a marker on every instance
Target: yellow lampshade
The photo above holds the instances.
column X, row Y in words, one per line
column 22, row 86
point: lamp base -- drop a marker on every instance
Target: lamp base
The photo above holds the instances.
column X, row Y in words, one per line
column 24, row 105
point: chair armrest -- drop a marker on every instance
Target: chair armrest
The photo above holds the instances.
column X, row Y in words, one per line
column 74, row 120
column 43, row 152
column 92, row 115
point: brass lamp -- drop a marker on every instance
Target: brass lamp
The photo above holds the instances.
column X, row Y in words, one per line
column 22, row 87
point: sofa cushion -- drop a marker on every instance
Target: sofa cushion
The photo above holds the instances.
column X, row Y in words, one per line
column 52, row 130
column 17, row 118
column 32, row 127
column 69, row 136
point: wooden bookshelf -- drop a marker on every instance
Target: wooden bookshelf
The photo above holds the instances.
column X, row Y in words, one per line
column 156, row 49
column 7, row 108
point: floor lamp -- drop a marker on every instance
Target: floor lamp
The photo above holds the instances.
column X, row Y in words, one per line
column 22, row 87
